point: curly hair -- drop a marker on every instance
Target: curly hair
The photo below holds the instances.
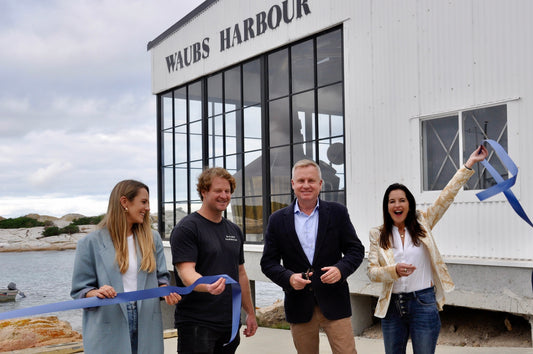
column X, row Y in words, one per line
column 206, row 179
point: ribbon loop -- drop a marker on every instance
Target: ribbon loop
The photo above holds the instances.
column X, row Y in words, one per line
column 136, row 296
column 503, row 186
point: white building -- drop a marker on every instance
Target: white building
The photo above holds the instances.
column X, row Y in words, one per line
column 377, row 92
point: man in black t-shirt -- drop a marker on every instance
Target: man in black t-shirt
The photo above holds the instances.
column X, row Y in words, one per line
column 206, row 243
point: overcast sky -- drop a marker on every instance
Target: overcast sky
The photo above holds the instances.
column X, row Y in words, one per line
column 76, row 110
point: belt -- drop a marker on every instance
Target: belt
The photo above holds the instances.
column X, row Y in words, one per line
column 412, row 295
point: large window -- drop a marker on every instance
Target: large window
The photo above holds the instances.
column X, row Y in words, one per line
column 256, row 119
column 448, row 141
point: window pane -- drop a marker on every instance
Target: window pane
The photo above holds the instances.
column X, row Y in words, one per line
column 329, row 58
column 195, row 101
column 166, row 110
column 214, row 93
column 330, row 111
column 304, row 151
column 196, row 170
column 234, row 165
column 196, row 140
column 279, row 122
column 215, row 137
column 235, row 212
column 168, row 191
column 331, row 152
column 338, row 197
column 180, row 106
column 252, row 83
column 181, row 210
column 303, row 125
column 180, row 140
column 441, row 151
column 280, row 170
column 278, row 74
column 279, row 201
column 253, row 174
column 254, row 219
column 252, row 128
column 181, row 182
column 232, row 89
column 303, row 70
column 167, row 147
column 478, row 125
column 168, row 215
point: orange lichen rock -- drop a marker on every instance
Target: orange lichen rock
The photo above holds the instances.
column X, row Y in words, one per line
column 35, row 332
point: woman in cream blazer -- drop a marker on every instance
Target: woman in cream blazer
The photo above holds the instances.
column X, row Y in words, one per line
column 404, row 257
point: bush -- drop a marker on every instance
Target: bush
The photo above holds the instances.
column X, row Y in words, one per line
column 70, row 229
column 20, row 222
column 51, row 231
column 54, row 230
column 88, row 220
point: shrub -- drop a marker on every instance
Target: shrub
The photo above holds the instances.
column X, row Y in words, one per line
column 70, row 229
column 51, row 231
column 54, row 230
column 20, row 222
column 88, row 220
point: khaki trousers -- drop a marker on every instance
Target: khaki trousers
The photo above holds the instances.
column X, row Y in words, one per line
column 339, row 333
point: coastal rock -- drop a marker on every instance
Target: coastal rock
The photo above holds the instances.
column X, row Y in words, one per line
column 272, row 316
column 35, row 332
column 31, row 239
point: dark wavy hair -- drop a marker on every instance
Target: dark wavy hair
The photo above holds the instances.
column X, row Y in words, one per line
column 411, row 222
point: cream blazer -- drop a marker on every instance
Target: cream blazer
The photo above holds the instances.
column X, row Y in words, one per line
column 381, row 264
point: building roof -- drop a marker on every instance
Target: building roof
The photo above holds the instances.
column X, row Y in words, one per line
column 175, row 27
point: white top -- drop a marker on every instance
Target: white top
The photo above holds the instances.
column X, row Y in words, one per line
column 129, row 279
column 408, row 253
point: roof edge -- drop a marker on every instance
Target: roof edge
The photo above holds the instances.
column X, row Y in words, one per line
column 200, row 8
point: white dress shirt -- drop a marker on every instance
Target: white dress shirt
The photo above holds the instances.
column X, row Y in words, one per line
column 408, row 253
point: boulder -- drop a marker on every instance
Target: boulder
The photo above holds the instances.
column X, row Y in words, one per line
column 272, row 316
column 34, row 332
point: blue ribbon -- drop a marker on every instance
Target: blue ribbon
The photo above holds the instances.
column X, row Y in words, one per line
column 503, row 186
column 136, row 296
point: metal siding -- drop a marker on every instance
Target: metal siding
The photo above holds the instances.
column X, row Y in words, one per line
column 402, row 61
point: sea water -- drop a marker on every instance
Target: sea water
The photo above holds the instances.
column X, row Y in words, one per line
column 45, row 277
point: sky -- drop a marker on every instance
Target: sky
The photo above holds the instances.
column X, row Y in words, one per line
column 77, row 114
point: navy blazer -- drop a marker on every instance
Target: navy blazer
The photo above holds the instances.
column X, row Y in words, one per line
column 336, row 245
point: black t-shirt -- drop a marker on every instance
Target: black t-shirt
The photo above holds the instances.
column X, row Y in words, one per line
column 216, row 248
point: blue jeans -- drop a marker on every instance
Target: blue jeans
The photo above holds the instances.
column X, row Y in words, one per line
column 133, row 324
column 412, row 314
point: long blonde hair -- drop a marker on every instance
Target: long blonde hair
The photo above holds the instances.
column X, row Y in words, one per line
column 116, row 223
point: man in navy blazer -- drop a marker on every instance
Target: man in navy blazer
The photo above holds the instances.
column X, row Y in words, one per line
column 319, row 248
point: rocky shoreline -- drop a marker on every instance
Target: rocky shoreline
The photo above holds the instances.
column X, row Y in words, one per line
column 22, row 240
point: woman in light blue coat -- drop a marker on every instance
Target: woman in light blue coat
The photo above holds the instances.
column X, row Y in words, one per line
column 124, row 254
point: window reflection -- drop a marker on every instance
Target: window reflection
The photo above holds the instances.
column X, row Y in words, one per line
column 280, row 170
column 329, row 58
column 279, row 122
column 330, row 116
column 195, row 101
column 278, row 74
column 180, row 143
column 214, row 95
column 166, row 110
column 303, row 108
column 252, row 83
column 232, row 89
column 302, row 65
column 252, row 128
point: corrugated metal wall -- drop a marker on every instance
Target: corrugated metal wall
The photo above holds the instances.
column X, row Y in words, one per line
column 414, row 59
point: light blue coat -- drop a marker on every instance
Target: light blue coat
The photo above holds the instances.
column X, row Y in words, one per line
column 105, row 329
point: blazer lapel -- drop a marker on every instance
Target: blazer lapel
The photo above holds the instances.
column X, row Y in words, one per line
column 107, row 251
column 291, row 231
